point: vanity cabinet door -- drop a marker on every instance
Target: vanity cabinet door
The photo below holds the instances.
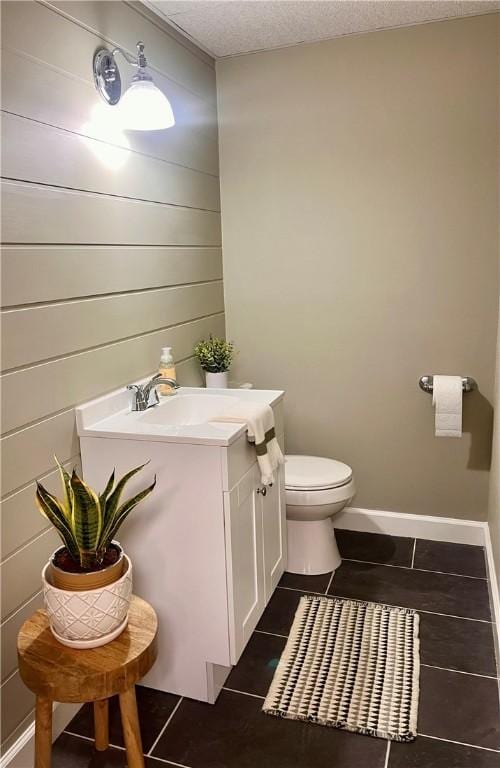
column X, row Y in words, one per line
column 244, row 557
column 274, row 533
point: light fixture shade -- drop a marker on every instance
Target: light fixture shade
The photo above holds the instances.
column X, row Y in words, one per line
column 143, row 107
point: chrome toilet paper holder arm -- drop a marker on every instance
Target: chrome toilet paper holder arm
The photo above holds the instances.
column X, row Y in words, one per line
column 427, row 383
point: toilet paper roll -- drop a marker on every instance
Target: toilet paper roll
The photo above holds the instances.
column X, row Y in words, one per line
column 447, row 400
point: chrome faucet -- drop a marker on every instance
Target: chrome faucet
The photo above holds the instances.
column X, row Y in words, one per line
column 145, row 395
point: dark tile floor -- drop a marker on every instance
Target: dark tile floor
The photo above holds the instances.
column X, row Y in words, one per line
column 458, row 721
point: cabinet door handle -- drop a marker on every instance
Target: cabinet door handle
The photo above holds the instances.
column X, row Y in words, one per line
column 262, row 490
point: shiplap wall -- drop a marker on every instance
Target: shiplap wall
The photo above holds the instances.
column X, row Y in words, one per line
column 100, row 267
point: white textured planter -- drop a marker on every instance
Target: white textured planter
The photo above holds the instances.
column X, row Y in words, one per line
column 90, row 618
column 216, row 380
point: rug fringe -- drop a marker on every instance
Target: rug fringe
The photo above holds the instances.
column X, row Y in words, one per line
column 342, row 726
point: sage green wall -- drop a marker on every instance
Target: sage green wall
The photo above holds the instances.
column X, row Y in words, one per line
column 360, row 245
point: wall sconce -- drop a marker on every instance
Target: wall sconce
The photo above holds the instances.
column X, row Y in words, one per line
column 143, row 107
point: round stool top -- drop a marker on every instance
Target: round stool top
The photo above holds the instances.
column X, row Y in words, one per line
column 64, row 674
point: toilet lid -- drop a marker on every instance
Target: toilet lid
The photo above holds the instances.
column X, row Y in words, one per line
column 315, row 473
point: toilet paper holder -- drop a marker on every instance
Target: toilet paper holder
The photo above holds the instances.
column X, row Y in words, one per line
column 427, row 383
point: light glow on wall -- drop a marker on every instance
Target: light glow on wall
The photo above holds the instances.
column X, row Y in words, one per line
column 104, row 136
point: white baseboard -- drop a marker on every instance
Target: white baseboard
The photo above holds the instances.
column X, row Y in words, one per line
column 415, row 526
column 22, row 752
column 494, row 593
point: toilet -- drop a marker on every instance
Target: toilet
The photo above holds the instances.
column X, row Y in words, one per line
column 316, row 488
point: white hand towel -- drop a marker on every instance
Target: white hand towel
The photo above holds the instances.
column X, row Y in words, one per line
column 447, row 400
column 260, row 429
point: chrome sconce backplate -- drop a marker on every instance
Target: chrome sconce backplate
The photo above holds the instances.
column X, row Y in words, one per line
column 107, row 76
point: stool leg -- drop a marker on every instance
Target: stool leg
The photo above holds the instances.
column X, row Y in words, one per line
column 131, row 731
column 43, row 732
column 101, row 724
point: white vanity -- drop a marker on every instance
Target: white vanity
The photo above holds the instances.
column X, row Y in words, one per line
column 208, row 546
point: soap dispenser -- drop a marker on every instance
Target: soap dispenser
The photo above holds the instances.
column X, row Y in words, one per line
column 167, row 369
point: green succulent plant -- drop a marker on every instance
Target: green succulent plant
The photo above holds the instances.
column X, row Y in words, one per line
column 85, row 521
column 215, row 354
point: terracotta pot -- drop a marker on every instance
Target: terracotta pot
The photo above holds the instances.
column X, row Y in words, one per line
column 92, row 617
column 81, row 582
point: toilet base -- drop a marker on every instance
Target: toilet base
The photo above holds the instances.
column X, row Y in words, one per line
column 312, row 548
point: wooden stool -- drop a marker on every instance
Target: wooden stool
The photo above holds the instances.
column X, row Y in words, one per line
column 57, row 673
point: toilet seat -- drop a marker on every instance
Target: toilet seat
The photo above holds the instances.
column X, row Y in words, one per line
column 315, row 473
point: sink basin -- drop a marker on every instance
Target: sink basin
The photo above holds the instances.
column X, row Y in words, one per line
column 186, row 417
column 186, row 410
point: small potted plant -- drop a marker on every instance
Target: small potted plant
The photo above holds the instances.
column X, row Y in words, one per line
column 215, row 356
column 87, row 583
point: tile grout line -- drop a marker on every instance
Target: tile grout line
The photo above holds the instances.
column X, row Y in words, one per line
column 304, row 591
column 166, row 762
column 243, row 693
column 388, row 752
column 417, row 610
column 255, row 696
column 391, row 605
column 429, row 666
column 413, row 554
column 412, row 568
column 116, row 746
column 386, row 764
column 273, row 634
column 169, row 718
column 330, row 582
column 89, row 738
column 459, row 671
column 460, row 743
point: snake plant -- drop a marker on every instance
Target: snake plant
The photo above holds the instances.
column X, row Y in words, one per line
column 85, row 521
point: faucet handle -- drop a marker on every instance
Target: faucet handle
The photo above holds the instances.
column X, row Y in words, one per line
column 153, row 398
column 137, row 397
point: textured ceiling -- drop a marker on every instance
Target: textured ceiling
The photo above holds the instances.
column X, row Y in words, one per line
column 231, row 27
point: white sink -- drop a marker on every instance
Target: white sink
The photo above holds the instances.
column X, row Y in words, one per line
column 185, row 417
column 186, row 410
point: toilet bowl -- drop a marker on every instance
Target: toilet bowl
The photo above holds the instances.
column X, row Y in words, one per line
column 316, row 488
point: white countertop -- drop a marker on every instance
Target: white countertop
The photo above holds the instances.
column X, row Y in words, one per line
column 110, row 416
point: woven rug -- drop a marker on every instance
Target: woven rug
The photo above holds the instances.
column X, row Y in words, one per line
column 350, row 665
